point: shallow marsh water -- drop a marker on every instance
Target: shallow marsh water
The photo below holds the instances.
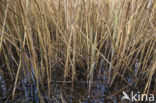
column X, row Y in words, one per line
column 62, row 91
column 26, row 92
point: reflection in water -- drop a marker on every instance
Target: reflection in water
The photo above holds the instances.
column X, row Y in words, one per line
column 61, row 90
column 3, row 92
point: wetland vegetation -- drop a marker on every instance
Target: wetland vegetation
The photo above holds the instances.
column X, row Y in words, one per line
column 76, row 51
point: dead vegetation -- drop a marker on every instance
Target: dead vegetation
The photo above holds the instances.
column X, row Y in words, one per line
column 71, row 40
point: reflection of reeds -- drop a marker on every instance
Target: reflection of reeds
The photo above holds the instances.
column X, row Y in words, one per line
column 40, row 38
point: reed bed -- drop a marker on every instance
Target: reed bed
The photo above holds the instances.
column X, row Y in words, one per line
column 73, row 41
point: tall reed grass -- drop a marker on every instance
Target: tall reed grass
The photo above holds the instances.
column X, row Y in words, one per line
column 65, row 40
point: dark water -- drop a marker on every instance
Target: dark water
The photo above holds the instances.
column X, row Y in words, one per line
column 26, row 92
column 63, row 91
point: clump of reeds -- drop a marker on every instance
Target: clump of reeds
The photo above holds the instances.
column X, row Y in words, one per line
column 42, row 39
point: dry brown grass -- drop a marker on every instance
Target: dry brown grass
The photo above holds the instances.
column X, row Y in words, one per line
column 37, row 35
